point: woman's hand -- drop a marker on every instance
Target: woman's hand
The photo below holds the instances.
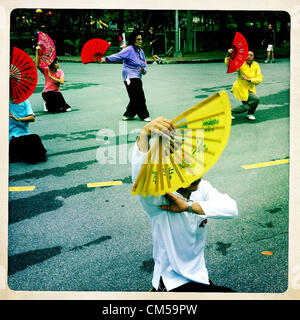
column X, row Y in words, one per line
column 58, row 80
column 160, row 126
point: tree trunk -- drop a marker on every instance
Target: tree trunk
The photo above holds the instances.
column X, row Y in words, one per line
column 189, row 32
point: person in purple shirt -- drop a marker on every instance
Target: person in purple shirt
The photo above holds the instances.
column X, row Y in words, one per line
column 134, row 66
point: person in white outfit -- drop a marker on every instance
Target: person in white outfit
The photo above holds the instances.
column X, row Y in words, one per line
column 178, row 222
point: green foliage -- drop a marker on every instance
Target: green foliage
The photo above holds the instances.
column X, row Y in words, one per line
column 199, row 30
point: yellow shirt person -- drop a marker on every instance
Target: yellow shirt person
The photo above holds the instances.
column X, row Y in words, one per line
column 244, row 88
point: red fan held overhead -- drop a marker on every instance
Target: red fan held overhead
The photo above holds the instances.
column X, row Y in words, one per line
column 47, row 52
column 23, row 76
column 93, row 50
column 239, row 54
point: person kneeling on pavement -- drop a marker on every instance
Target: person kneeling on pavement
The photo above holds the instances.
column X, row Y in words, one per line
column 54, row 79
column 23, row 146
column 178, row 222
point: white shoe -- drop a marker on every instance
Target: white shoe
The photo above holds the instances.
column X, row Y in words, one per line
column 45, row 108
column 68, row 110
column 147, row 119
column 160, row 60
column 251, row 117
column 126, row 118
column 232, row 117
column 154, row 62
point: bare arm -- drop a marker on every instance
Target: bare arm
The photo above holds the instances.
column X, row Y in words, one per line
column 58, row 80
column 179, row 205
column 216, row 205
column 30, row 118
column 36, row 59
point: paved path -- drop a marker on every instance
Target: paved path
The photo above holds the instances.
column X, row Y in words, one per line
column 65, row 235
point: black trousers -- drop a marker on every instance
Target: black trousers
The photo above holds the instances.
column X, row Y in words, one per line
column 193, row 287
column 55, row 101
column 137, row 100
column 28, row 148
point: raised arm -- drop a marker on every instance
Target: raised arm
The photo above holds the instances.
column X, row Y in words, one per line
column 229, row 52
column 36, row 58
column 60, row 80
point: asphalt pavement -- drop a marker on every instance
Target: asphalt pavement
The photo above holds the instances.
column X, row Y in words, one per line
column 67, row 235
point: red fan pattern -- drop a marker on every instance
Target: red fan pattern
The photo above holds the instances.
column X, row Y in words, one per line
column 47, row 52
column 93, row 50
column 239, row 54
column 23, row 76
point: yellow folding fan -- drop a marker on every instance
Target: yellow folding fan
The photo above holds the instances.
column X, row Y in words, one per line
column 198, row 140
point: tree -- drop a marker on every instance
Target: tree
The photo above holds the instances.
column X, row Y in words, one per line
column 189, row 32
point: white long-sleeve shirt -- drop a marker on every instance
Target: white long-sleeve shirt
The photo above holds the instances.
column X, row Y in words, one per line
column 179, row 238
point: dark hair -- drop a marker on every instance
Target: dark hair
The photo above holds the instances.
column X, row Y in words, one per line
column 53, row 63
column 133, row 36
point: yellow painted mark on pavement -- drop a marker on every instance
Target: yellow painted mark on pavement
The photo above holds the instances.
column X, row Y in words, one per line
column 266, row 164
column 267, row 253
column 104, row 184
column 30, row 188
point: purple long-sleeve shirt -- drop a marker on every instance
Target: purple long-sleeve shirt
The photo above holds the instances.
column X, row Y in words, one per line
column 133, row 61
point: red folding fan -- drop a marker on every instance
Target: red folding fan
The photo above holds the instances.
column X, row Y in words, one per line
column 23, row 76
column 93, row 50
column 239, row 54
column 47, row 52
